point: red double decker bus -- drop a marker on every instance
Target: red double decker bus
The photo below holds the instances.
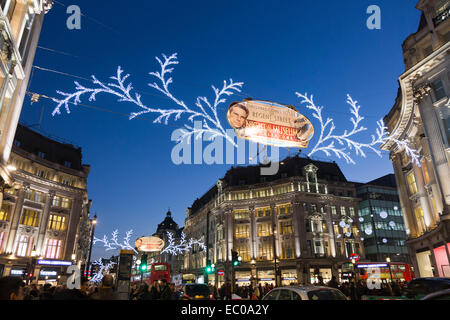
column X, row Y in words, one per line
column 158, row 271
column 395, row 271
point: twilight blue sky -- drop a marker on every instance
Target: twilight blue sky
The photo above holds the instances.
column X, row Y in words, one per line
column 275, row 47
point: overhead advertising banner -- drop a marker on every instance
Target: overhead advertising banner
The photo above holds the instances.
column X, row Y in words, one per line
column 270, row 123
column 149, row 244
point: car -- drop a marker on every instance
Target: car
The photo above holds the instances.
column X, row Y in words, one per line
column 440, row 295
column 418, row 288
column 297, row 293
column 194, row 291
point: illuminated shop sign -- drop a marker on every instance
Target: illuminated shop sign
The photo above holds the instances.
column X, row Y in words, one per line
column 49, row 273
column 17, row 272
column 375, row 265
column 270, row 123
column 54, row 262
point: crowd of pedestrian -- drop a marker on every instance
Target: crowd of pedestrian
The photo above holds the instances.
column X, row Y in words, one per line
column 13, row 288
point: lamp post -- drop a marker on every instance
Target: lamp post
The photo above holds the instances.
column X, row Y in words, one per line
column 94, row 222
column 388, row 260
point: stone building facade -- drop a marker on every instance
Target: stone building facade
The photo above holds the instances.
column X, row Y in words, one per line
column 288, row 228
column 45, row 214
column 20, row 25
column 421, row 114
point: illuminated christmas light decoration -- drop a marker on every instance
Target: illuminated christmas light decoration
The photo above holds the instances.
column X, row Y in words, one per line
column 204, row 110
column 368, row 231
column 113, row 243
column 392, row 224
column 383, row 214
column 182, row 246
column 361, row 219
column 384, row 240
column 327, row 138
column 342, row 224
column 348, row 234
column 102, row 270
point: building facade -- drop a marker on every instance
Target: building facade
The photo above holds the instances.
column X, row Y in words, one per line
column 381, row 215
column 20, row 26
column 288, row 228
column 421, row 115
column 45, row 213
column 169, row 225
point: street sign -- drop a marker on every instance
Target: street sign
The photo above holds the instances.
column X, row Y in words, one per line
column 220, row 273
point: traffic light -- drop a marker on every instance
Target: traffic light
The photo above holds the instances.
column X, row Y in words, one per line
column 143, row 265
column 209, row 267
column 235, row 258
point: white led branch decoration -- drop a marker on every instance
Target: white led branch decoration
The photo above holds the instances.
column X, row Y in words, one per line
column 204, row 110
column 345, row 141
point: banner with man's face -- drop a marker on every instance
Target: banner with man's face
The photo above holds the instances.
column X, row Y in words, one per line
column 270, row 123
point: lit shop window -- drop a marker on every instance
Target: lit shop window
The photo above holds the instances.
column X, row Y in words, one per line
column 61, row 202
column 264, row 229
column 287, row 250
column 30, row 218
column 284, row 209
column 411, row 183
column 265, row 251
column 286, row 227
column 351, row 211
column 333, row 210
column 263, row 212
column 5, row 213
column 24, row 246
column 241, row 231
column 52, row 248
column 243, row 251
column 241, row 214
column 57, row 223
column 418, row 212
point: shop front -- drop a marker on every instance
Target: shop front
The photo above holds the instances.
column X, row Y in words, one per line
column 49, row 275
column 424, row 264
column 288, row 277
column 266, row 276
column 323, row 272
column 243, row 277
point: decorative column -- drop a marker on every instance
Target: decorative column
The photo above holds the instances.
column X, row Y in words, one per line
column 253, row 249
column 296, row 216
column 437, row 196
column 410, row 225
column 44, row 223
column 15, row 219
column 432, row 131
column 423, row 197
column 72, row 227
column 329, row 220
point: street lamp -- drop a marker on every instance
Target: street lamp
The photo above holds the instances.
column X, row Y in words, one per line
column 388, row 260
column 94, row 222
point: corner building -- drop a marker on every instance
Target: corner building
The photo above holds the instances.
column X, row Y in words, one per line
column 45, row 214
column 297, row 225
column 421, row 115
column 21, row 23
